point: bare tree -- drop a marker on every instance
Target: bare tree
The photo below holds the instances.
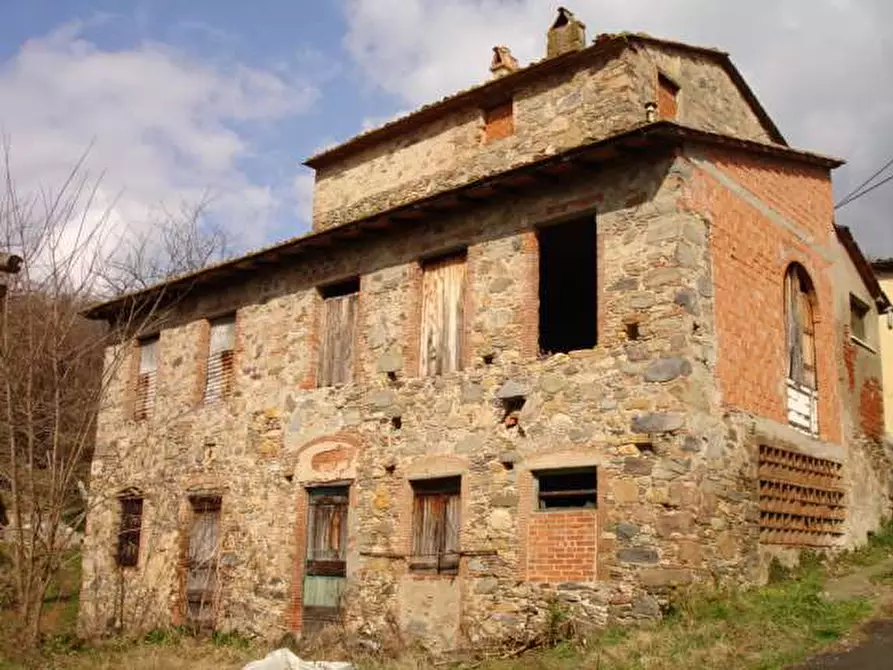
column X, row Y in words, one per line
column 174, row 244
column 55, row 364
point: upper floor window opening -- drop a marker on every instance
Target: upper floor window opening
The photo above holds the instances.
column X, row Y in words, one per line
column 499, row 121
column 147, row 374
column 859, row 312
column 339, row 323
column 220, row 363
column 574, row 488
column 568, row 286
column 667, row 97
column 443, row 313
column 802, row 397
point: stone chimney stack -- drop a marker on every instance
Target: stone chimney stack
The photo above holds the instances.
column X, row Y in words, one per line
column 566, row 34
column 503, row 62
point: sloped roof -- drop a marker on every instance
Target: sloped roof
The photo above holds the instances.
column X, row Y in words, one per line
column 863, row 267
column 648, row 135
column 494, row 89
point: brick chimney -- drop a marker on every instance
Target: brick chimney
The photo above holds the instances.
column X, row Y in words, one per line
column 566, row 34
column 503, row 62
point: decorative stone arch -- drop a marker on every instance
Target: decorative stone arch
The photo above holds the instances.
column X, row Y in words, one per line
column 330, row 458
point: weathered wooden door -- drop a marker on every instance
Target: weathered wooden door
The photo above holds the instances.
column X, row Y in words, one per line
column 201, row 566
column 326, row 560
column 443, row 298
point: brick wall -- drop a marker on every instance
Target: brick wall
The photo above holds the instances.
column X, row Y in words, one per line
column 561, row 546
column 766, row 215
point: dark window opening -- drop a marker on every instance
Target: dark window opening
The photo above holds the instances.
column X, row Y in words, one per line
column 568, row 286
column 632, row 331
column 562, row 489
column 435, row 526
column 858, row 317
column 667, row 92
column 129, row 531
column 338, row 332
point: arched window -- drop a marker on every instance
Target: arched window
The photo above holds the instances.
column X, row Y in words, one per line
column 800, row 349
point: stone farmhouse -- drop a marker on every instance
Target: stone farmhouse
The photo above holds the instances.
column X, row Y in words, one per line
column 580, row 334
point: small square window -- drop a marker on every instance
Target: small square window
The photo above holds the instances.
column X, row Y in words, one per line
column 667, row 97
column 564, row 489
column 499, row 121
column 858, row 318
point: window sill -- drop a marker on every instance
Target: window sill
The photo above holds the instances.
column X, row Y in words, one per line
column 864, row 344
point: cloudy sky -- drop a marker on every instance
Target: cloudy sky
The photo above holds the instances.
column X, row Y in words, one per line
column 226, row 97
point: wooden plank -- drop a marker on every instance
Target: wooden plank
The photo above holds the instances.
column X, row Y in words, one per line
column 339, row 328
column 443, row 296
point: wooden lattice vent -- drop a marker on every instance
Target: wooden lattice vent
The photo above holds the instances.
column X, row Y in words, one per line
column 801, row 499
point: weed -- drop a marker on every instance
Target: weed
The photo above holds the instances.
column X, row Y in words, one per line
column 233, row 639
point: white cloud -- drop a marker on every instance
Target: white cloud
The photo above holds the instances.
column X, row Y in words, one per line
column 162, row 127
column 822, row 70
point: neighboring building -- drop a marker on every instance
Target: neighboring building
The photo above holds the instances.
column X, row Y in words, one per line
column 883, row 269
column 581, row 332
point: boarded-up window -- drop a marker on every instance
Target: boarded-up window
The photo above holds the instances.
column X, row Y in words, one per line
column 129, row 531
column 435, row 525
column 443, row 297
column 201, row 564
column 667, row 92
column 802, row 399
column 338, row 332
column 499, row 121
column 858, row 315
column 147, row 377
column 572, row 488
column 219, row 371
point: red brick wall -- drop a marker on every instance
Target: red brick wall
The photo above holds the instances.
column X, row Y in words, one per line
column 561, row 546
column 750, row 253
column 871, row 409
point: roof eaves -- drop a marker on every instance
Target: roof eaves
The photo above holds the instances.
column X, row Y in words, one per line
column 667, row 132
column 863, row 267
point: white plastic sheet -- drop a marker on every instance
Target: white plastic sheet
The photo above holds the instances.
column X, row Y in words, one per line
column 283, row 659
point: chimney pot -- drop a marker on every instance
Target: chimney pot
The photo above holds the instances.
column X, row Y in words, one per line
column 566, row 34
column 503, row 62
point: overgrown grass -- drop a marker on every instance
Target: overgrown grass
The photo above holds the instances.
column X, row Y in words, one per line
column 734, row 629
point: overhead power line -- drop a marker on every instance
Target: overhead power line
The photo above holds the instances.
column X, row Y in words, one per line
column 868, row 190
column 844, row 199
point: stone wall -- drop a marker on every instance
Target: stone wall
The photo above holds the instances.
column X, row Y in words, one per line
column 676, row 469
column 590, row 100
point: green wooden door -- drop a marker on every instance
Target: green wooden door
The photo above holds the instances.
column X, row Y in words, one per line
column 325, row 561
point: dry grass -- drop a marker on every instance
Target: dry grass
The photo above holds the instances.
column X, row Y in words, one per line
column 757, row 629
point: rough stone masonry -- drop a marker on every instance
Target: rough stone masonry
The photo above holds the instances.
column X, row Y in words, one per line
column 573, row 337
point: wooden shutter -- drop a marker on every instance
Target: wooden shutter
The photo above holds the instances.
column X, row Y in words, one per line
column 129, row 532
column 219, row 374
column 800, row 329
column 201, row 576
column 147, row 377
column 436, row 523
column 443, row 297
column 327, row 532
column 339, row 329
